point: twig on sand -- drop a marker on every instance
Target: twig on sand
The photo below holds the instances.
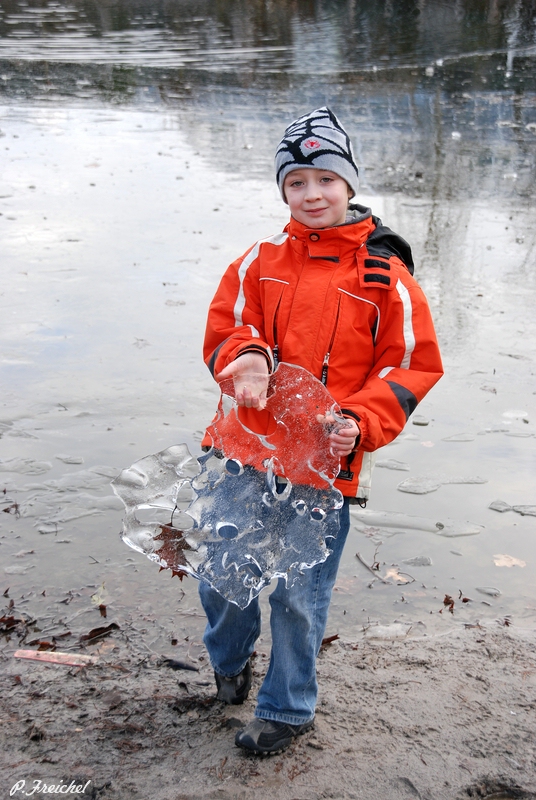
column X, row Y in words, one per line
column 376, row 574
column 69, row 659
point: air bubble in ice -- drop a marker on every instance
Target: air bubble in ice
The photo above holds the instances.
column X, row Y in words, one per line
column 227, row 530
column 300, row 507
column 234, row 467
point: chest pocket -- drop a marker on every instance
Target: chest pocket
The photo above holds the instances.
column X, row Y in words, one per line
column 375, row 273
column 272, row 290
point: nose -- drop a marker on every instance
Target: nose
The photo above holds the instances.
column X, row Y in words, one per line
column 312, row 192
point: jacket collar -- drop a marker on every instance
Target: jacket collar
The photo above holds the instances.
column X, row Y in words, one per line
column 333, row 243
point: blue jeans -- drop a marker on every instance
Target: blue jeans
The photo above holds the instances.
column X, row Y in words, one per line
column 298, row 621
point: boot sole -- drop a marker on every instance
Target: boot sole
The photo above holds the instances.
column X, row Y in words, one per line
column 267, row 753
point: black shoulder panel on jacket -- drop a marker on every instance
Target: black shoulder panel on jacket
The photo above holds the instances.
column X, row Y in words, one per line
column 372, row 277
column 384, row 242
column 375, row 263
column 407, row 399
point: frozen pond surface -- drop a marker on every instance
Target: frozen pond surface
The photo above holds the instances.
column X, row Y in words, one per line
column 127, row 190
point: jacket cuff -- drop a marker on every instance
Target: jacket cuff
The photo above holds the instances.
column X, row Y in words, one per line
column 347, row 413
column 257, row 348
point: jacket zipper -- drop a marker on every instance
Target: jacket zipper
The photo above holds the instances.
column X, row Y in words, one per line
column 275, row 350
column 325, row 363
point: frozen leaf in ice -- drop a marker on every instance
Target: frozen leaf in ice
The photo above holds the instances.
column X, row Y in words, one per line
column 151, row 490
column 503, row 560
column 258, row 505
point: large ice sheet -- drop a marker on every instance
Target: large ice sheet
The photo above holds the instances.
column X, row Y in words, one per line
column 256, row 506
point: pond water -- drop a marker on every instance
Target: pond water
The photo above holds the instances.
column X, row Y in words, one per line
column 137, row 141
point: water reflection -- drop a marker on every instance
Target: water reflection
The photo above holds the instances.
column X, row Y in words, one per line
column 439, row 98
column 281, row 33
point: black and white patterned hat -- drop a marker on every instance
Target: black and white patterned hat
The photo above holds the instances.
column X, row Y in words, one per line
column 318, row 141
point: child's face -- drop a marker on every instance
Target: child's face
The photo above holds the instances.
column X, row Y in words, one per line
column 316, row 197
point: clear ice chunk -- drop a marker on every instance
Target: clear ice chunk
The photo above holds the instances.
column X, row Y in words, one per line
column 392, row 463
column 421, row 484
column 500, row 505
column 394, row 522
column 257, row 506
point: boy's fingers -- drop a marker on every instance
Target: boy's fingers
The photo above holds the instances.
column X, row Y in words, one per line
column 230, row 370
column 250, row 390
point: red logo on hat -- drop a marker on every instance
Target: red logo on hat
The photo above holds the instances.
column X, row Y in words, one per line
column 311, row 144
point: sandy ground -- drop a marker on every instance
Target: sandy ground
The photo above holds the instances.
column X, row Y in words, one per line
column 441, row 718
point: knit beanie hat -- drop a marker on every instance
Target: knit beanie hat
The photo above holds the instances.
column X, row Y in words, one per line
column 318, row 141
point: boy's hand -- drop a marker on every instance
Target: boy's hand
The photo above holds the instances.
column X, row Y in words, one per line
column 250, row 375
column 342, row 437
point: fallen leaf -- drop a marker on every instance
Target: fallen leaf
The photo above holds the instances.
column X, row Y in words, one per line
column 448, row 602
column 98, row 633
column 393, row 572
column 327, row 640
column 175, row 664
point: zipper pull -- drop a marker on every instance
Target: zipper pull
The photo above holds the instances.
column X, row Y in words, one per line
column 275, row 353
column 325, row 364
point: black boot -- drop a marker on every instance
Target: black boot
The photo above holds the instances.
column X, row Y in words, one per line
column 236, row 689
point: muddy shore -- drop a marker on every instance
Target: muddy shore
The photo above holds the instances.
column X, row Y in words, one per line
column 441, row 718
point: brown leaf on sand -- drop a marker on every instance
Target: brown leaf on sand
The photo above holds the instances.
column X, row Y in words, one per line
column 98, row 633
column 448, row 602
column 327, row 640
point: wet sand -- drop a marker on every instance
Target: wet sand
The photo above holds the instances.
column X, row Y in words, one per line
column 445, row 718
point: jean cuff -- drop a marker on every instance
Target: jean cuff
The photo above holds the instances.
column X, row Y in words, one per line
column 289, row 719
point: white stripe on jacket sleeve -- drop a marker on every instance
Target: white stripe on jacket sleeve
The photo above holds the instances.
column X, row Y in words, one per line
column 278, row 239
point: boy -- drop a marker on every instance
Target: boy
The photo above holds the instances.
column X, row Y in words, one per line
column 333, row 293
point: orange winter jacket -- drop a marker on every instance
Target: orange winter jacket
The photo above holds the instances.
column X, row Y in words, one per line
column 342, row 303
